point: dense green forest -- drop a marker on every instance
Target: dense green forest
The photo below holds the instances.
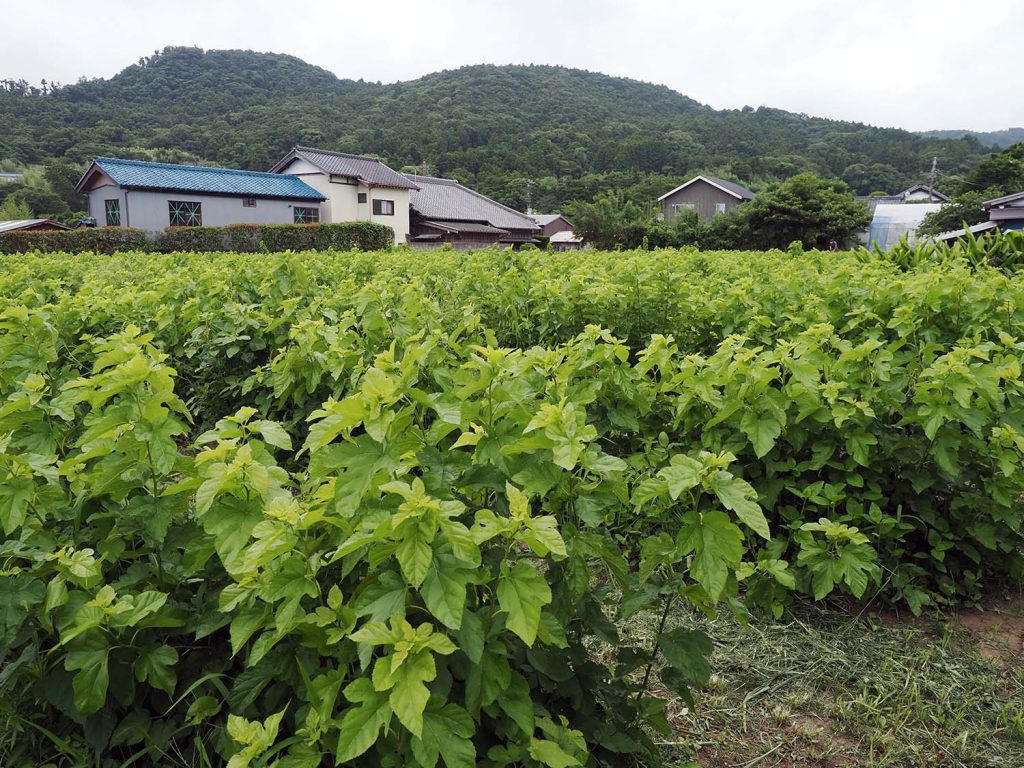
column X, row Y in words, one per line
column 524, row 134
column 998, row 139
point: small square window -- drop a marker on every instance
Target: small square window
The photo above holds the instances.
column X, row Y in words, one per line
column 306, row 215
column 719, row 208
column 248, row 202
column 383, row 207
column 112, row 209
column 361, row 197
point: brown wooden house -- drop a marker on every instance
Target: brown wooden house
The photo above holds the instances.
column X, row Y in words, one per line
column 706, row 195
column 550, row 223
column 443, row 211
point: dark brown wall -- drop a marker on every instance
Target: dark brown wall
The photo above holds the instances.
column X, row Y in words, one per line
column 519, row 236
column 45, row 226
column 703, row 196
column 558, row 225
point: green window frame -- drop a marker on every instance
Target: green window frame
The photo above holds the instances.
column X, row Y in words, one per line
column 112, row 212
column 302, row 215
column 184, row 213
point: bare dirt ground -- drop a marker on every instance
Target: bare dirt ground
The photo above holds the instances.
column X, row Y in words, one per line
column 844, row 687
column 996, row 630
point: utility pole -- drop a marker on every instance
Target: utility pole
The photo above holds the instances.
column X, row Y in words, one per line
column 931, row 179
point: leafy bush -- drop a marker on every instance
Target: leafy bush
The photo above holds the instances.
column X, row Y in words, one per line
column 497, row 458
column 243, row 238
column 99, row 240
column 423, row 585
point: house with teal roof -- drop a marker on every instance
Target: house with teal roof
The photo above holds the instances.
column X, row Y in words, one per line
column 156, row 196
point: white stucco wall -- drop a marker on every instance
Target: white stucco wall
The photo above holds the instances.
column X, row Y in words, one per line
column 343, row 199
column 149, row 210
column 98, row 195
column 400, row 221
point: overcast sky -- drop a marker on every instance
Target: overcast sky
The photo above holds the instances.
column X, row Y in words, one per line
column 914, row 64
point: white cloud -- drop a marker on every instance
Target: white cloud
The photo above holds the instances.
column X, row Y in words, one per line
column 913, row 63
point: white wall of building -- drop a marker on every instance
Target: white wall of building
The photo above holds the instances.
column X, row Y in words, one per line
column 343, row 199
column 400, row 220
column 149, row 210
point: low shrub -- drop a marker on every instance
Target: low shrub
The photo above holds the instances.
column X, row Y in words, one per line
column 243, row 238
column 100, row 240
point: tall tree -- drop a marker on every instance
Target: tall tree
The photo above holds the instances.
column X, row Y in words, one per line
column 997, row 175
column 62, row 176
column 612, row 221
column 807, row 208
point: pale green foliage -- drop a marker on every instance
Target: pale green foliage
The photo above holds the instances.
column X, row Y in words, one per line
column 365, row 508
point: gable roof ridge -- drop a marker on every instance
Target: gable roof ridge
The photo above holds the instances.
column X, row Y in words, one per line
column 336, row 153
column 441, row 179
column 722, row 184
column 925, row 187
column 1004, row 199
column 371, row 170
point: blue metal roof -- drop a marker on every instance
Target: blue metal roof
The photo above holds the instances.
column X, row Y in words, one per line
column 138, row 174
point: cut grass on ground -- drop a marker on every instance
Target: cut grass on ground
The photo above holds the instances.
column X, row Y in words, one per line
column 824, row 688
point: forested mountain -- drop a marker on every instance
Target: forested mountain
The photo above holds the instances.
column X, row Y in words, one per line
column 550, row 133
column 998, row 139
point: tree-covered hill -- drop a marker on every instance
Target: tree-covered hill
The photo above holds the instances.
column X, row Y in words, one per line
column 998, row 139
column 552, row 133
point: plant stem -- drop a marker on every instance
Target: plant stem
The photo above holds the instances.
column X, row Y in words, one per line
column 657, row 644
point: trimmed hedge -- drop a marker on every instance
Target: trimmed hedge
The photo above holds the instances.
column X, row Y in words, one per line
column 241, row 238
column 251, row 238
column 100, row 240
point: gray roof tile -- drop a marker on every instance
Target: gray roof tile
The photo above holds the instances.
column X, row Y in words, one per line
column 13, row 226
column 369, row 170
column 1003, row 200
column 447, row 200
column 732, row 186
column 925, row 188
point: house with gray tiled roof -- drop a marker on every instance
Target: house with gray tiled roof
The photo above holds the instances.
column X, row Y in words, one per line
column 155, row 196
column 444, row 211
column 1005, row 214
column 922, row 193
column 707, row 195
column 919, row 193
column 550, row 223
column 355, row 187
